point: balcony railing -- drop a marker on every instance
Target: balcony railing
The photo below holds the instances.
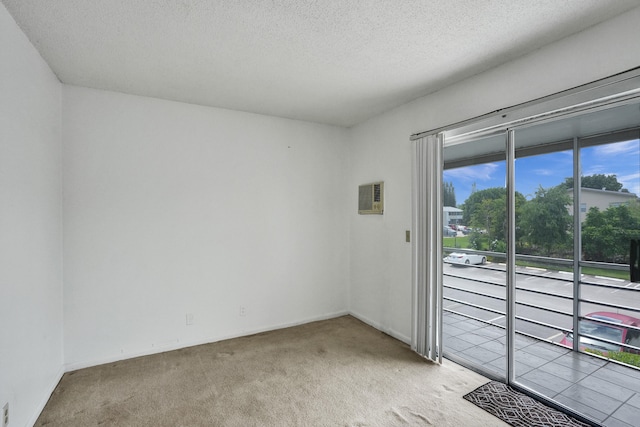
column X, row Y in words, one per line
column 594, row 295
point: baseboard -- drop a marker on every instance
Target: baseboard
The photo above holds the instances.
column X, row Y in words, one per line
column 115, row 358
column 395, row 334
column 44, row 401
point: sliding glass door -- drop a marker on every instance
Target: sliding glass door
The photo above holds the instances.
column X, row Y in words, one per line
column 474, row 275
column 540, row 216
column 544, row 264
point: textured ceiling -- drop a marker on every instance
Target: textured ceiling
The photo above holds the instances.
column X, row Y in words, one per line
column 336, row 62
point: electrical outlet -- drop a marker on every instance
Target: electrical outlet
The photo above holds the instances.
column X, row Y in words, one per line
column 243, row 311
column 189, row 319
column 5, row 415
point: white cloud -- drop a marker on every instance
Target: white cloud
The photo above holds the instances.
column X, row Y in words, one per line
column 634, row 189
column 475, row 173
column 626, row 148
column 629, row 177
column 596, row 169
column 545, row 172
column 631, row 182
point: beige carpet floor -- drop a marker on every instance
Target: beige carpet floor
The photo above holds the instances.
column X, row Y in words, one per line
column 338, row 372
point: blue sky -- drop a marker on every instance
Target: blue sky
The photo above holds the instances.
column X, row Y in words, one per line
column 621, row 159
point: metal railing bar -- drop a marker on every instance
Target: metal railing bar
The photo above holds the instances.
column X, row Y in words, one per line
column 545, row 260
column 526, row 334
column 474, row 292
column 533, row 291
column 633, row 347
column 605, row 265
column 545, row 309
column 499, row 298
column 559, row 279
column 609, row 286
column 606, row 322
column 551, row 310
column 468, row 304
column 608, row 341
column 483, row 267
column 557, row 328
column 522, row 273
column 549, row 260
column 518, row 332
column 548, row 325
column 517, row 288
column 504, row 299
column 468, row 316
column 599, row 285
column 606, row 304
column 600, row 339
column 474, row 280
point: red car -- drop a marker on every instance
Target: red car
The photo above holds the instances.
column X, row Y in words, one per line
column 615, row 333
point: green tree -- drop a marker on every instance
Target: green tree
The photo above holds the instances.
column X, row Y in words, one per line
column 449, row 194
column 490, row 215
column 475, row 199
column 606, row 234
column 489, row 211
column 597, row 181
column 545, row 222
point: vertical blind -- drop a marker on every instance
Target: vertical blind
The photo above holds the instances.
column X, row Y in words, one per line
column 427, row 228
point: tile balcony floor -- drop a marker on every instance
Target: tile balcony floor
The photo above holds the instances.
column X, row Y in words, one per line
column 606, row 392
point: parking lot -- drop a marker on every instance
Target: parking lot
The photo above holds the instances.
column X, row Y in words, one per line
column 544, row 296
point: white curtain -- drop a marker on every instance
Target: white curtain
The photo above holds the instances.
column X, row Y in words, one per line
column 427, row 226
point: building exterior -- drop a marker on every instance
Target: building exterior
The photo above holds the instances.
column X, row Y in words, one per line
column 452, row 215
column 601, row 199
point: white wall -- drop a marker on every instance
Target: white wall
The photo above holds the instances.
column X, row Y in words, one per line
column 173, row 208
column 380, row 284
column 31, row 357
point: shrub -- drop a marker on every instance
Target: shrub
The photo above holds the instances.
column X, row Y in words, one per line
column 620, row 356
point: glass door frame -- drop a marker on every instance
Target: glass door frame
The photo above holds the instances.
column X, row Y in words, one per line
column 607, row 93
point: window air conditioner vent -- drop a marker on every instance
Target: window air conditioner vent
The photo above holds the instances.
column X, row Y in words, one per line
column 371, row 199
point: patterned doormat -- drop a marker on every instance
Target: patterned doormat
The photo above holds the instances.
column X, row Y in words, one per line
column 518, row 409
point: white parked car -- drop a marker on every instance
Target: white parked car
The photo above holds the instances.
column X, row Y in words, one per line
column 460, row 258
